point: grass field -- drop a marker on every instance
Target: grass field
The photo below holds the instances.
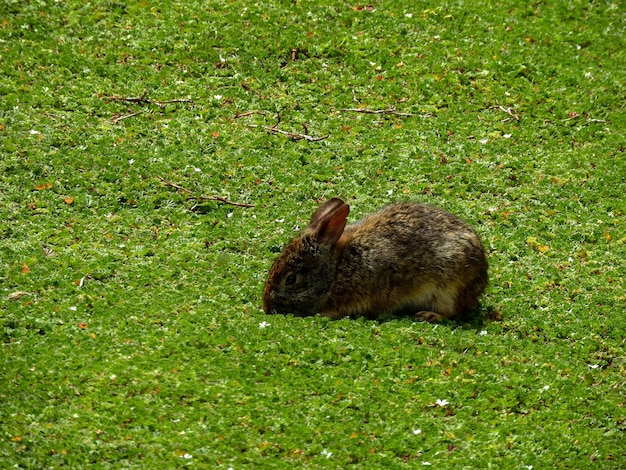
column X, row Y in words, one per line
column 155, row 157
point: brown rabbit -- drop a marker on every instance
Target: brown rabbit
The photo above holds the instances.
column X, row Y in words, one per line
column 406, row 258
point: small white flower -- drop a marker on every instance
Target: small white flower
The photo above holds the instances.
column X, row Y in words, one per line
column 112, row 376
column 34, row 132
column 390, row 192
column 545, row 388
column 280, row 221
column 197, row 170
column 483, row 333
column 409, row 15
column 443, row 402
column 187, row 456
column 74, row 415
column 263, row 324
column 426, row 464
column 326, row 453
column 217, row 97
column 417, row 431
column 507, row 136
column 593, row 366
column 483, row 141
column 131, row 161
column 229, row 215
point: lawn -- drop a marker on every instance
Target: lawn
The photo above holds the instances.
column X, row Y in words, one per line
column 155, row 158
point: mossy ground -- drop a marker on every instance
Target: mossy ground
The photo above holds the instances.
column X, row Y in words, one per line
column 130, row 322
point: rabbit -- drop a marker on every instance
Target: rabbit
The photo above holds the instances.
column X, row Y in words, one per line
column 407, row 258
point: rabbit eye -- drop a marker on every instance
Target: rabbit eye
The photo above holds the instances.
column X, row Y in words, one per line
column 291, row 279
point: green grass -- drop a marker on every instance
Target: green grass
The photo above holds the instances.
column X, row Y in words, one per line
column 130, row 323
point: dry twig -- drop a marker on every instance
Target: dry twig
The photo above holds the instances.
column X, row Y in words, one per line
column 391, row 110
column 249, row 113
column 291, row 135
column 144, row 100
column 274, row 128
column 221, row 199
column 202, row 198
column 247, row 87
column 510, row 111
column 125, row 116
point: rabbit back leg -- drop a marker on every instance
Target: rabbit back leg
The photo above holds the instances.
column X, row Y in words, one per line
column 431, row 303
column 445, row 304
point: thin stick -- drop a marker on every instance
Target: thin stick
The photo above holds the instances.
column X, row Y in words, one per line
column 249, row 113
column 202, row 198
column 510, row 111
column 221, row 199
column 177, row 100
column 144, row 100
column 391, row 110
column 292, row 135
column 247, row 87
column 174, row 185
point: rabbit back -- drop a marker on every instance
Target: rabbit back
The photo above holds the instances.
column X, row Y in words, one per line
column 406, row 258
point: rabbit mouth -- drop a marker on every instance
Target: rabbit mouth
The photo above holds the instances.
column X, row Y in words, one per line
column 271, row 307
column 268, row 307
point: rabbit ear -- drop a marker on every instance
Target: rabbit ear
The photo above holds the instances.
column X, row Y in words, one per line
column 328, row 221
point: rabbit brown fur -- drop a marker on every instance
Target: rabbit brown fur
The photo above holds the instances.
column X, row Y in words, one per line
column 406, row 258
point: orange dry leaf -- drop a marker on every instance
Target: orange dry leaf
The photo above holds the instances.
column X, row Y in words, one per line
column 69, row 200
column 42, row 186
column 25, row 268
column 82, row 326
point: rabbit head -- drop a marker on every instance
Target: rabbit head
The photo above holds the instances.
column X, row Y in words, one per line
column 300, row 279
